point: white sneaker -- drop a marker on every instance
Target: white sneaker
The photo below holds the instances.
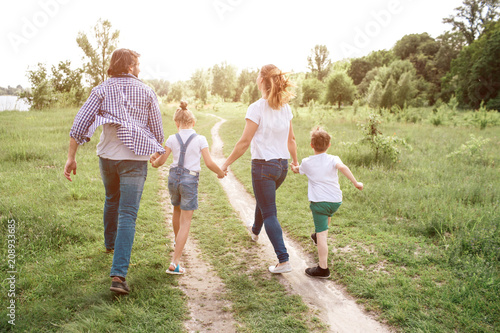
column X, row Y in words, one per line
column 282, row 268
column 254, row 236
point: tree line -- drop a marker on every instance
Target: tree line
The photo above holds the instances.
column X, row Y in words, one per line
column 418, row 71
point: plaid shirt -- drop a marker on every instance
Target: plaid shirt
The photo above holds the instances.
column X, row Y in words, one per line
column 132, row 105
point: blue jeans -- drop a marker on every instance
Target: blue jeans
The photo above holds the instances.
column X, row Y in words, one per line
column 267, row 176
column 183, row 188
column 123, row 182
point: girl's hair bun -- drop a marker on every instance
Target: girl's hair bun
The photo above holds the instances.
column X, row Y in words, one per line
column 183, row 105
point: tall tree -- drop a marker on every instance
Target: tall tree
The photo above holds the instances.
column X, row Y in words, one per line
column 473, row 16
column 224, row 80
column 98, row 55
column 340, row 89
column 247, row 76
column 318, row 62
column 200, row 84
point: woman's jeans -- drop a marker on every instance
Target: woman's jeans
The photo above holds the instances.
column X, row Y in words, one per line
column 123, row 182
column 267, row 176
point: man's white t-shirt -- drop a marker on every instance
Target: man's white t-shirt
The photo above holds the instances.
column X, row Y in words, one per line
column 112, row 148
column 323, row 179
column 193, row 152
column 271, row 138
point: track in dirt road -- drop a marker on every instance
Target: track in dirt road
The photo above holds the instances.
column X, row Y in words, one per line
column 336, row 309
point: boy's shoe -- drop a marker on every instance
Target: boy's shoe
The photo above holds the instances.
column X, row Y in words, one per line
column 175, row 269
column 318, row 272
column 314, row 239
column 282, row 268
column 118, row 286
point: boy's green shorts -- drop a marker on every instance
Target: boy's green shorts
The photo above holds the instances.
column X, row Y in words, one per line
column 321, row 212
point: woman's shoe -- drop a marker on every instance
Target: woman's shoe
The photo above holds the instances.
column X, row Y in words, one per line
column 175, row 269
column 281, row 268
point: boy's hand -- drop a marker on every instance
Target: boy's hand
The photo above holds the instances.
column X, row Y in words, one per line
column 359, row 186
column 295, row 168
column 154, row 157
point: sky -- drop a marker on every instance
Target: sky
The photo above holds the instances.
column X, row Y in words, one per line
column 175, row 38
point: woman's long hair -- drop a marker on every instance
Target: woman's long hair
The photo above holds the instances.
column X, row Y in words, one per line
column 275, row 84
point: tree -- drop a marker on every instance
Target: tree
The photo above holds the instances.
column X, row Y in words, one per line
column 200, row 83
column 318, row 61
column 177, row 92
column 475, row 74
column 224, row 80
column 67, row 84
column 359, row 68
column 247, row 76
column 312, row 89
column 160, row 86
column 340, row 89
column 99, row 56
column 41, row 92
column 473, row 17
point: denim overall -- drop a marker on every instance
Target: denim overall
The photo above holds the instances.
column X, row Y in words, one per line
column 183, row 183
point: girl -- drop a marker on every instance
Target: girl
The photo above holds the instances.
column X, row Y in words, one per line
column 269, row 131
column 187, row 147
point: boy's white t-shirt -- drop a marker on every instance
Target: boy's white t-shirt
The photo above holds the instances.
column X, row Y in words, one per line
column 193, row 152
column 323, row 179
column 271, row 138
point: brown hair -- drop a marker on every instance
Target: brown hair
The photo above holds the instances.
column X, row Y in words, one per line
column 121, row 60
column 276, row 84
column 320, row 139
column 184, row 116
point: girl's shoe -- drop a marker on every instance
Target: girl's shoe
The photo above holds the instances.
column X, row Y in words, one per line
column 175, row 269
column 281, row 268
column 254, row 236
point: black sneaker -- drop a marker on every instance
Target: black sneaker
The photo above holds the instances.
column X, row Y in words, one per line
column 118, row 286
column 318, row 272
column 313, row 237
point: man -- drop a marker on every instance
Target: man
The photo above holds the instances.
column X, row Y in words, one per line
column 132, row 130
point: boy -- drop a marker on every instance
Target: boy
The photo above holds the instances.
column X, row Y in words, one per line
column 324, row 193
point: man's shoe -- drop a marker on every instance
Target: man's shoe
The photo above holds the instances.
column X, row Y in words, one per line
column 318, row 272
column 314, row 239
column 281, row 268
column 109, row 251
column 118, row 286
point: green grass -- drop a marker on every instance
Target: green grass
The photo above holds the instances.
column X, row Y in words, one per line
column 63, row 274
column 421, row 244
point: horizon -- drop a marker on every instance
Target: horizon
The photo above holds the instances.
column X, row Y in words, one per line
column 206, row 33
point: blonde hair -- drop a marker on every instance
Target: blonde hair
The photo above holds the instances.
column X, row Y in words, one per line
column 184, row 116
column 276, row 84
column 320, row 139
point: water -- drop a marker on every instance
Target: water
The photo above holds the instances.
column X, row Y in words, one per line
column 13, row 103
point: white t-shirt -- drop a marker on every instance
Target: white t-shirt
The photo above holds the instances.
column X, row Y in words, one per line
column 271, row 138
column 323, row 184
column 112, row 148
column 193, row 152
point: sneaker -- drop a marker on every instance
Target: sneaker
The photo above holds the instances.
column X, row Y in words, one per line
column 119, row 286
column 254, row 236
column 282, row 268
column 175, row 269
column 318, row 272
column 313, row 237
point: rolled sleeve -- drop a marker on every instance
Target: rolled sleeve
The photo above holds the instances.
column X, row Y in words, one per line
column 85, row 118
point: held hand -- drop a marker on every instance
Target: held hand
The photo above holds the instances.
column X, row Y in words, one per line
column 359, row 186
column 70, row 166
column 154, row 157
column 295, row 168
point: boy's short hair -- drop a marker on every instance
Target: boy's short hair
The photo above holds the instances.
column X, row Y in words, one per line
column 320, row 139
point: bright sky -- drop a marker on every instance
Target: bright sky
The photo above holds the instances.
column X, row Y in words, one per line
column 175, row 38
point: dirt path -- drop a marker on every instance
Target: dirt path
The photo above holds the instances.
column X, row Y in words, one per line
column 201, row 285
column 336, row 308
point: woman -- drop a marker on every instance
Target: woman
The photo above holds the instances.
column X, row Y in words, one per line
column 269, row 130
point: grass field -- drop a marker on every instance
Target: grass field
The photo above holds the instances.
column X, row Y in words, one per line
column 420, row 246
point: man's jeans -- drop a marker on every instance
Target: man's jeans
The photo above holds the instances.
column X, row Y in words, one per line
column 123, row 182
column 267, row 176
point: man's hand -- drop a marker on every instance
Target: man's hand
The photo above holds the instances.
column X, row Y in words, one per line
column 295, row 168
column 70, row 166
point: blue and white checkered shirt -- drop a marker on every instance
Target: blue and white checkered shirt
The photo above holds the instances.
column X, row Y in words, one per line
column 126, row 101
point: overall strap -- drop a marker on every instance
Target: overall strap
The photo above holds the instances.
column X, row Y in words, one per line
column 183, row 148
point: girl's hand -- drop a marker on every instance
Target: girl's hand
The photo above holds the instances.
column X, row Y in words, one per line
column 154, row 157
column 359, row 186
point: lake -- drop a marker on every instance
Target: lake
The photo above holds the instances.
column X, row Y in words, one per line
column 13, row 103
